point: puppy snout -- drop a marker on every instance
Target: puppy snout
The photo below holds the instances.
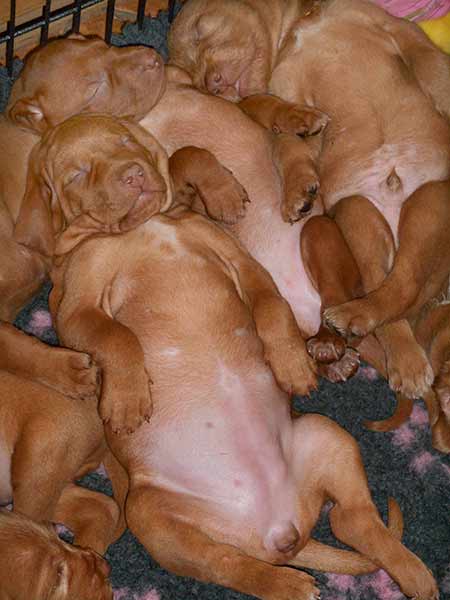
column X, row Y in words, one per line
column 133, row 176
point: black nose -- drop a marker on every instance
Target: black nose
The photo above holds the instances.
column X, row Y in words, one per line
column 305, row 208
column 312, row 190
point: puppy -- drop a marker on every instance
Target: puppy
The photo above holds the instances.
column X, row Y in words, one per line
column 317, row 54
column 233, row 485
column 47, row 441
column 36, row 564
column 61, row 79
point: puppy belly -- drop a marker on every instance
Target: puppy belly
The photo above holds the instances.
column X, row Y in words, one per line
column 5, row 475
column 276, row 245
column 387, row 177
column 224, row 445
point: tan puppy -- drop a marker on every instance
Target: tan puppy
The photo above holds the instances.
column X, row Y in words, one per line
column 233, row 486
column 36, row 564
column 47, row 441
column 65, row 77
column 386, row 89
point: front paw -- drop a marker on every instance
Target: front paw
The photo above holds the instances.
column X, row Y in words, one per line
column 299, row 120
column 72, row 373
column 225, row 200
column 125, row 404
column 355, row 318
column 294, row 370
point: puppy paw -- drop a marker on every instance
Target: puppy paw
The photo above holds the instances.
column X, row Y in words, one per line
column 226, row 199
column 299, row 120
column 326, row 346
column 356, row 318
column 126, row 404
column 409, row 372
column 294, row 370
column 419, row 582
column 342, row 369
column 72, row 373
column 299, row 198
column 289, row 584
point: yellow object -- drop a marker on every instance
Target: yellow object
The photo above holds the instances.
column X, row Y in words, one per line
column 438, row 30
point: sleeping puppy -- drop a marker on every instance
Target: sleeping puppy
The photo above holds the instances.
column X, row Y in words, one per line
column 232, row 484
column 384, row 168
column 36, row 564
column 65, row 77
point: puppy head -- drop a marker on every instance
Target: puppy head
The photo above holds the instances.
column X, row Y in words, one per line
column 224, row 46
column 77, row 75
column 44, row 566
column 94, row 173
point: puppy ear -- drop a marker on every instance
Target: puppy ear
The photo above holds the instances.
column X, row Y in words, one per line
column 27, row 113
column 205, row 25
column 154, row 147
column 36, row 224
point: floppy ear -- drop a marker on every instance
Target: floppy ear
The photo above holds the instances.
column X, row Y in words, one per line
column 205, row 25
column 162, row 160
column 37, row 222
column 27, row 113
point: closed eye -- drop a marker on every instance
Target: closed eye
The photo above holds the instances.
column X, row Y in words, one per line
column 74, row 177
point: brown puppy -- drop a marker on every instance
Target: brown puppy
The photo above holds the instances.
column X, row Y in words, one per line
column 36, row 564
column 65, row 77
column 371, row 175
column 234, row 486
column 47, row 441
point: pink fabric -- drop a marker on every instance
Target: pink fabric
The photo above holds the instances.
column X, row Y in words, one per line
column 415, row 10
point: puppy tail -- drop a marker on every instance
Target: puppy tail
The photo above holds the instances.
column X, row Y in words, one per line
column 321, row 557
column 402, row 411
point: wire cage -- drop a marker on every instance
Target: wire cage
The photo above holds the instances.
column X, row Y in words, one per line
column 72, row 10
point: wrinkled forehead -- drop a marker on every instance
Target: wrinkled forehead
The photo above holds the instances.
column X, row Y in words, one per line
column 81, row 142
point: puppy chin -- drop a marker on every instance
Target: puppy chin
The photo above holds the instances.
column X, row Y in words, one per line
column 144, row 209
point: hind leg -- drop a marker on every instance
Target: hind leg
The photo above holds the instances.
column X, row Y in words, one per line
column 371, row 242
column 335, row 275
column 433, row 332
column 338, row 472
column 419, row 269
column 170, row 527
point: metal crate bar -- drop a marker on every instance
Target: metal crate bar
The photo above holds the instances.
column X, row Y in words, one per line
column 73, row 9
column 46, row 18
column 109, row 20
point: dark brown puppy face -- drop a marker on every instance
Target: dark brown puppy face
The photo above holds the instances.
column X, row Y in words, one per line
column 224, row 46
column 104, row 174
column 78, row 75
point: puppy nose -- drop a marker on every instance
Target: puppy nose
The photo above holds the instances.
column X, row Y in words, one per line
column 312, row 190
column 133, row 176
column 305, row 208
